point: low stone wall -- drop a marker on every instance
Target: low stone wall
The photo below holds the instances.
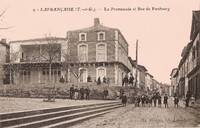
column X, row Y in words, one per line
column 62, row 90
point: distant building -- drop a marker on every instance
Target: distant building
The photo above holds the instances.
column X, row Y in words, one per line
column 148, row 81
column 174, row 81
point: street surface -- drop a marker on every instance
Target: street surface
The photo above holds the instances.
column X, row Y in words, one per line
column 145, row 117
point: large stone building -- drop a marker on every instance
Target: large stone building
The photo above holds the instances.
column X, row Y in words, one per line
column 96, row 51
column 102, row 51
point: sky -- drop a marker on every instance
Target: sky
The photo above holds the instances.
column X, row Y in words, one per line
column 162, row 28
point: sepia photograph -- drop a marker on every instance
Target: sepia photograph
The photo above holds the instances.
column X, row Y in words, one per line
column 99, row 64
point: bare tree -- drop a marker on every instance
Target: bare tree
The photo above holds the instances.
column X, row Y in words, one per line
column 73, row 64
column 51, row 52
column 1, row 17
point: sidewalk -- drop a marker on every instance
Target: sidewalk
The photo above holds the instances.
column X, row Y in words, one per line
column 182, row 104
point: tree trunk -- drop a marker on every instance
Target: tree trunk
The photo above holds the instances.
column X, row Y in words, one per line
column 50, row 74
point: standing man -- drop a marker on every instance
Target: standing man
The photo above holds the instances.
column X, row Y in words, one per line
column 166, row 100
column 187, row 99
column 131, row 79
column 159, row 100
column 176, row 100
column 82, row 92
column 154, row 99
column 87, row 92
column 71, row 91
column 124, row 99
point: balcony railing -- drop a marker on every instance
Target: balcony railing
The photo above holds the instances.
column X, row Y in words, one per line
column 36, row 60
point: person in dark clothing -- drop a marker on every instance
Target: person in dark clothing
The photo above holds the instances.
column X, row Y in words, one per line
column 143, row 100
column 125, row 80
column 89, row 79
column 150, row 100
column 176, row 100
column 154, row 99
column 187, row 99
column 121, row 93
column 147, row 100
column 71, row 91
column 82, row 92
column 87, row 93
column 104, row 80
column 124, row 99
column 135, row 101
column 105, row 94
column 131, row 79
column 99, row 81
column 165, row 101
column 138, row 101
column 159, row 101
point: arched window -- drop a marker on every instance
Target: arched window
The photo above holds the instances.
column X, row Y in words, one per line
column 82, row 52
column 84, row 74
column 101, row 72
column 101, row 52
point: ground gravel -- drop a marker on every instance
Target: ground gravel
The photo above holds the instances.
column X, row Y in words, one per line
column 144, row 117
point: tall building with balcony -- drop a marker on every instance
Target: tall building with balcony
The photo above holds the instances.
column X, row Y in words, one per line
column 30, row 60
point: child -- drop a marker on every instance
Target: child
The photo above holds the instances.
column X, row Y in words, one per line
column 192, row 99
column 176, row 100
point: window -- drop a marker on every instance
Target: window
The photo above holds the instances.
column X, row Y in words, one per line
column 101, row 52
column 101, row 72
column 82, row 37
column 82, row 52
column 101, row 36
column 84, row 74
column 193, row 53
column 197, row 47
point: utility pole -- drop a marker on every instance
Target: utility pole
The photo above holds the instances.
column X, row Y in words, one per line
column 136, row 63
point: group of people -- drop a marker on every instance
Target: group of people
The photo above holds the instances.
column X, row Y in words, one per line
column 82, row 93
column 128, row 80
column 154, row 99
column 99, row 81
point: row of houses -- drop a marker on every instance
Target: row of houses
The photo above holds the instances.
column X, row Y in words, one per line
column 186, row 77
column 97, row 51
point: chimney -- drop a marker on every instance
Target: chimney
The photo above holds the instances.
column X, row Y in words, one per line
column 96, row 22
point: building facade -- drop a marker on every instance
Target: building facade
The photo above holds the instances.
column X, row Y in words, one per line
column 102, row 51
column 30, row 60
column 96, row 51
column 187, row 75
